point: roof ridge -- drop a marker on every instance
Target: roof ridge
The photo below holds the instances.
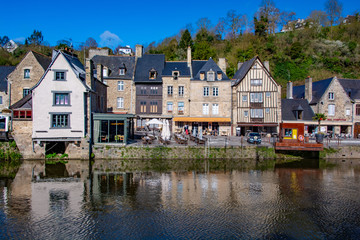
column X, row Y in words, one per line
column 40, row 54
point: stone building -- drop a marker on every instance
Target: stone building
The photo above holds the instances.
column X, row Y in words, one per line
column 26, row 74
column 256, row 99
column 4, row 94
column 328, row 96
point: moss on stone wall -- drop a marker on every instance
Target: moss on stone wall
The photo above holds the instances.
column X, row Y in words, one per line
column 10, row 159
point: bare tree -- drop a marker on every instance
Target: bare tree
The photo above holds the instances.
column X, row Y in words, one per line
column 270, row 13
column 333, row 9
column 318, row 18
column 233, row 22
column 220, row 27
column 203, row 23
column 91, row 43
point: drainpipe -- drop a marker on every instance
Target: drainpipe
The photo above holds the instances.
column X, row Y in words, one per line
column 90, row 136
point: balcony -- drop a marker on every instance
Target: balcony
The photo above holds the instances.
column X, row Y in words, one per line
column 256, row 105
column 257, row 120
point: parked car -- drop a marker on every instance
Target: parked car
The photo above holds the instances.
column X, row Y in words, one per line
column 254, row 137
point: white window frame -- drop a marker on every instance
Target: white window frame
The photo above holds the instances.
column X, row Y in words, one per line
column 215, row 91
column 211, row 76
column 121, row 71
column 331, row 110
column 206, row 91
column 268, row 94
column 215, row 109
column 246, row 113
column 169, row 106
column 257, row 113
column 256, row 82
column 26, row 73
column 205, row 109
column 120, row 86
column 120, row 102
column 244, row 98
column 331, row 96
column 170, row 90
column 347, row 111
column 256, row 97
column 181, row 91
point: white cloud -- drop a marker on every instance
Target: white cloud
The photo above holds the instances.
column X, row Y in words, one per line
column 19, row 39
column 109, row 39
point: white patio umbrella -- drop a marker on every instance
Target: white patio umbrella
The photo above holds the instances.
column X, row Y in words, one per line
column 167, row 130
column 163, row 131
column 154, row 121
column 200, row 136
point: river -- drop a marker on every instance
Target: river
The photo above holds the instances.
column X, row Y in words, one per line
column 291, row 201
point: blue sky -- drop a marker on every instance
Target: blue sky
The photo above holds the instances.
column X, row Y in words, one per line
column 131, row 22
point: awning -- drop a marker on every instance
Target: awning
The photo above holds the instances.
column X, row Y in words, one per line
column 257, row 124
column 200, row 119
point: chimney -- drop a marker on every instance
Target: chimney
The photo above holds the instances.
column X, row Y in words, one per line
column 89, row 72
column 189, row 56
column 139, row 49
column 239, row 65
column 222, row 64
column 267, row 65
column 308, row 89
column 289, row 90
column 99, row 72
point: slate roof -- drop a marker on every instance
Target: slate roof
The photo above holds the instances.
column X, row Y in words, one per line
column 76, row 65
column 182, row 67
column 113, row 63
column 241, row 73
column 318, row 89
column 288, row 106
column 197, row 65
column 351, row 87
column 24, row 103
column 4, row 72
column 146, row 63
column 43, row 60
column 209, row 65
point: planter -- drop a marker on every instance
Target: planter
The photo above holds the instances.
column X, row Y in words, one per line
column 319, row 137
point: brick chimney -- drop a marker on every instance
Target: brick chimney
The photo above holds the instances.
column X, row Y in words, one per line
column 189, row 56
column 99, row 72
column 139, row 49
column 308, row 89
column 289, row 90
column 239, row 65
column 267, row 65
column 222, row 64
column 89, row 72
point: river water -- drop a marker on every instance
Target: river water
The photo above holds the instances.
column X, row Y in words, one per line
column 296, row 201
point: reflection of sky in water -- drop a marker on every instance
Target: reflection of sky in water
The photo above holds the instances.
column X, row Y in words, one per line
column 280, row 204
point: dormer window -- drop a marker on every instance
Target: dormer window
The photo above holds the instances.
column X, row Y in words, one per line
column 211, row 75
column 219, row 75
column 255, row 66
column 298, row 114
column 202, row 75
column 175, row 75
column 122, row 71
column 152, row 74
column 105, row 72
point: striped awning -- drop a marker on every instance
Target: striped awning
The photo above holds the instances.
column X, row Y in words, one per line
column 200, row 119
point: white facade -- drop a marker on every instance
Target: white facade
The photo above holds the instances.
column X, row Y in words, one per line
column 50, row 107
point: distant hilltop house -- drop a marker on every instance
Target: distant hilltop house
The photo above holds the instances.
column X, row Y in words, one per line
column 125, row 50
column 10, row 46
column 350, row 19
column 294, row 25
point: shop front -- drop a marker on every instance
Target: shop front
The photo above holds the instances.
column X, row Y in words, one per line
column 113, row 128
column 209, row 126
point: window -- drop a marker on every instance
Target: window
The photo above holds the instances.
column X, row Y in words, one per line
column 121, row 71
column 142, row 106
column 219, row 75
column 143, row 91
column 153, row 106
column 60, row 121
column 256, row 97
column 22, row 114
column 181, row 107
column 169, row 106
column 61, row 99
column 255, row 82
column 120, row 102
column 170, row 90
column 105, row 72
column 246, row 113
column 211, row 76
column 1, row 102
column 205, row 108
column 181, row 91
column 357, row 110
column 202, row 76
column 331, row 96
column 244, row 97
column 59, row 76
column 215, row 109
column 175, row 75
column 26, row 92
column 206, row 91
column 348, row 112
column 331, row 109
column 120, row 85
column 256, row 113
column 26, row 73
column 215, row 91
column 152, row 74
column 268, row 94
column 267, row 110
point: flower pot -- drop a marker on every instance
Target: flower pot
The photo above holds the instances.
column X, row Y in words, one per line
column 319, row 137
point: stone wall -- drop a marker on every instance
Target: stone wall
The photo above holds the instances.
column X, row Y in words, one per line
column 128, row 94
column 101, row 52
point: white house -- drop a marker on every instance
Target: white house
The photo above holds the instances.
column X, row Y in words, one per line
column 61, row 103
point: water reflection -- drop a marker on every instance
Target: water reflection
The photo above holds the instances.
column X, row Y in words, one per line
column 281, row 203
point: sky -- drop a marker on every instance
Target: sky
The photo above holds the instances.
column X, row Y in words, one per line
column 112, row 23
